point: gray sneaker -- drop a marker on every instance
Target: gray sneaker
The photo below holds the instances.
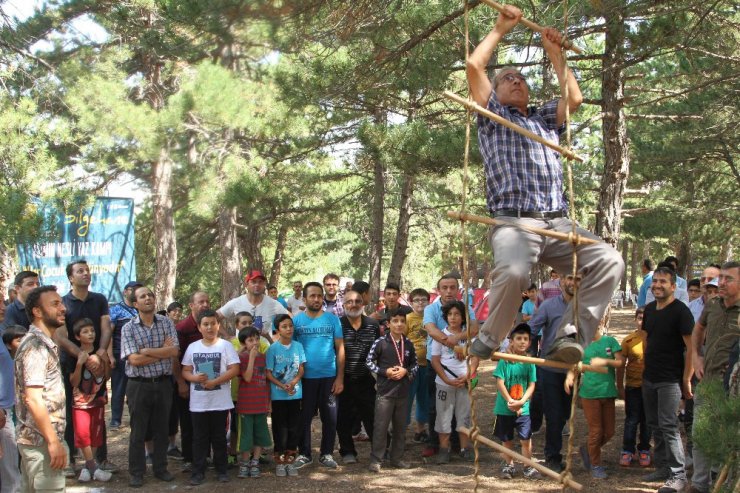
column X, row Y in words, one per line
column 480, row 349
column 301, row 461
column 659, row 474
column 291, row 470
column 349, row 459
column 508, row 471
column 566, row 350
column 443, row 456
column 374, row 467
column 281, row 470
column 673, row 485
column 244, row 471
column 327, row 460
column 532, row 473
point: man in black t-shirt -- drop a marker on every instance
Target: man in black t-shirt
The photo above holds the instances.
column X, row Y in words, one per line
column 668, row 323
column 392, row 294
column 358, row 397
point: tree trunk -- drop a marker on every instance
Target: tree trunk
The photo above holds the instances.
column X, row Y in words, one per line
column 402, row 231
column 378, row 216
column 6, row 272
column 625, row 249
column 684, row 253
column 614, row 129
column 277, row 261
column 165, row 274
column 231, row 262
column 252, row 248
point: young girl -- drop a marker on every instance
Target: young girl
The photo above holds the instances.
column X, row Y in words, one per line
column 285, row 360
column 452, row 393
column 88, row 411
column 598, row 392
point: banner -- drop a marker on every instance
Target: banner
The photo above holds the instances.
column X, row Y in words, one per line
column 103, row 235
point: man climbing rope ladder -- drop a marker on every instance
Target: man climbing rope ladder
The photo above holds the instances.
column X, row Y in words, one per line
column 524, row 186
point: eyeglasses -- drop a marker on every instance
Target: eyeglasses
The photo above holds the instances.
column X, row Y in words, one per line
column 694, row 290
column 509, row 78
column 419, row 301
column 704, row 279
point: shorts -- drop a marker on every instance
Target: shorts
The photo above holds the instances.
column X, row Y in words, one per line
column 253, row 432
column 36, row 471
column 451, row 401
column 506, row 424
column 88, row 426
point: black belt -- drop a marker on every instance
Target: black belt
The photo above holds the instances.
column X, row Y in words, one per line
column 150, row 379
column 529, row 214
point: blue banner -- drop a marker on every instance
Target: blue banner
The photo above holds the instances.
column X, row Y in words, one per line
column 103, row 235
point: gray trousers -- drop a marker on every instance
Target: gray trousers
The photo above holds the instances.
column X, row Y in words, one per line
column 516, row 251
column 389, row 410
column 701, row 479
column 661, row 401
column 10, row 474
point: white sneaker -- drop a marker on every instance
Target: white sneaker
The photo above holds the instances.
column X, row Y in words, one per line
column 84, row 475
column 101, row 475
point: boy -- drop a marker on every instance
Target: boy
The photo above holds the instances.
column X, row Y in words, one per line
column 284, row 368
column 88, row 407
column 419, row 389
column 598, row 393
column 253, row 403
column 452, row 395
column 12, row 338
column 633, row 350
column 242, row 320
column 515, row 383
column 393, row 359
column 208, row 365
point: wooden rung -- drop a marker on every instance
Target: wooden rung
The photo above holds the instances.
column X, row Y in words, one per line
column 517, row 456
column 539, row 361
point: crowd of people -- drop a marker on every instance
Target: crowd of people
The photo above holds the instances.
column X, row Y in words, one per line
column 219, row 373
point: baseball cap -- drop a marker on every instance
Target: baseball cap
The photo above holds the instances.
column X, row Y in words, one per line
column 254, row 274
column 132, row 284
column 714, row 282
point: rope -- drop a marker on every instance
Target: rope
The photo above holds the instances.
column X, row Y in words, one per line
column 573, row 235
column 475, row 431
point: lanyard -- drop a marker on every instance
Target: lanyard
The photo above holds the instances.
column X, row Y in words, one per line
column 401, row 353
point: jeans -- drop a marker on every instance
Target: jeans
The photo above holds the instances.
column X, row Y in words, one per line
column 286, row 420
column 317, row 395
column 149, row 409
column 419, row 392
column 634, row 411
column 10, row 475
column 357, row 400
column 600, row 417
column 209, row 431
column 389, row 411
column 701, row 479
column 557, row 411
column 661, row 407
column 118, row 380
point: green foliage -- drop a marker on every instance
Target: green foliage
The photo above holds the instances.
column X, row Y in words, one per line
column 715, row 429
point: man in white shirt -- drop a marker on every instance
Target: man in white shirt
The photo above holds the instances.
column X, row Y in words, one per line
column 295, row 301
column 708, row 279
column 262, row 307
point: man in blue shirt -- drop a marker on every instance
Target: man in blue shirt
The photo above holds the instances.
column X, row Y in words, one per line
column 647, row 280
column 556, row 403
column 320, row 333
column 524, row 182
column 15, row 313
column 10, row 477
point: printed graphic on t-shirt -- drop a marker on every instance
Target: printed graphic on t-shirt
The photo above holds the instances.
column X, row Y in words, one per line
column 258, row 322
column 286, row 367
column 516, row 391
column 208, row 363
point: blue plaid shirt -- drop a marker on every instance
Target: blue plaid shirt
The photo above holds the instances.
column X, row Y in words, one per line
column 521, row 174
column 135, row 336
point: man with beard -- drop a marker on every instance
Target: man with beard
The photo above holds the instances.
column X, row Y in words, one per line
column 148, row 346
column 719, row 325
column 320, row 333
column 25, row 282
column 83, row 303
column 668, row 323
column 120, row 314
column 41, row 400
column 555, row 401
column 358, row 397
column 255, row 302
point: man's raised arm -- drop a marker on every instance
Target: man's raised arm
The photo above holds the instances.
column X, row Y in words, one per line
column 480, row 84
column 551, row 40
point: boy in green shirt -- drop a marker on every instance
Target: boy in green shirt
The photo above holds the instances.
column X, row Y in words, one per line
column 515, row 383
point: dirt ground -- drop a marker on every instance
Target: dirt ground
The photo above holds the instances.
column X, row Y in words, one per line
column 425, row 475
